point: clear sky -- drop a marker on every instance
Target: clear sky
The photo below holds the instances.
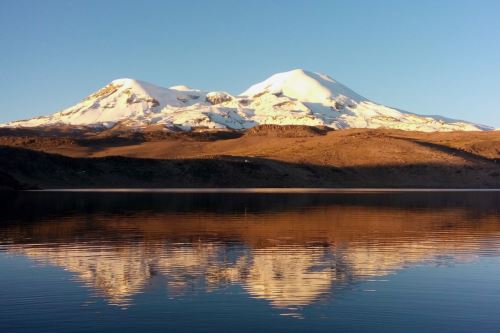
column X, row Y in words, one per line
column 426, row 56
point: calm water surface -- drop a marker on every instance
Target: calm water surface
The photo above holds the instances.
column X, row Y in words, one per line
column 250, row 262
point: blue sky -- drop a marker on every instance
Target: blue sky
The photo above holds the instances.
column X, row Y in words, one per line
column 427, row 56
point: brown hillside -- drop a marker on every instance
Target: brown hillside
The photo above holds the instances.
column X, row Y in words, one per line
column 364, row 157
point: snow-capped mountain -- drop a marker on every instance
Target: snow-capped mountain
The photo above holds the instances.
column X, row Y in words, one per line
column 297, row 97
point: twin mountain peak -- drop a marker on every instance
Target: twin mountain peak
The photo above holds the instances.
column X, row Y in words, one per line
column 297, row 97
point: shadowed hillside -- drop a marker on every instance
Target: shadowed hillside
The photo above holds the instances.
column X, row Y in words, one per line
column 266, row 156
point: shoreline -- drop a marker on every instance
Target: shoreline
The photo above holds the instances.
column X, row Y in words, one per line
column 264, row 190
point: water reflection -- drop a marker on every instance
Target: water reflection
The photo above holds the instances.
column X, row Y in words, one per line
column 290, row 251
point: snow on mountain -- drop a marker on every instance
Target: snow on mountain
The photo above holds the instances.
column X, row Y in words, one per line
column 304, row 86
column 121, row 99
column 297, row 97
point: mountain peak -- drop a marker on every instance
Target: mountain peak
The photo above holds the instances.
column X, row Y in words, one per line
column 139, row 87
column 182, row 87
column 124, row 80
column 305, row 86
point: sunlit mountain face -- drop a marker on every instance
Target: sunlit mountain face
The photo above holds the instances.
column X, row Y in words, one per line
column 290, row 251
column 296, row 97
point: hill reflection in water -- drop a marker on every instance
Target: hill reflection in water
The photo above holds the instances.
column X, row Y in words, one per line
column 289, row 250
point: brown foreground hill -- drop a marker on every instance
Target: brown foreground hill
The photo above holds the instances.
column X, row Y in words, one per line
column 264, row 156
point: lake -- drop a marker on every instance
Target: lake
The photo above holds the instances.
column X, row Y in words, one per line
column 357, row 261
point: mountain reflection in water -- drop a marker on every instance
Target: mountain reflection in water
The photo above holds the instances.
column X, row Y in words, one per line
column 289, row 250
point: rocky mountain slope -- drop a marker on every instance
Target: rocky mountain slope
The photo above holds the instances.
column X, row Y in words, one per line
column 297, row 97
